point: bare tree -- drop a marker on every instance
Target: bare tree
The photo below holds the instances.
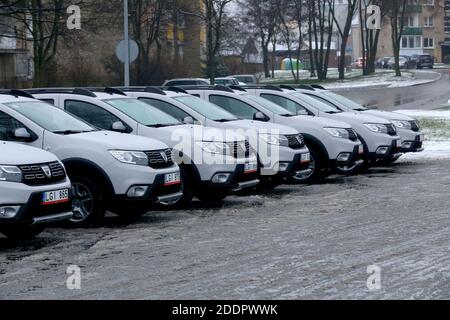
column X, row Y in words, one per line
column 343, row 30
column 396, row 13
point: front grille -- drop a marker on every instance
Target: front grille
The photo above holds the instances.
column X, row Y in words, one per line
column 391, row 130
column 414, row 126
column 240, row 149
column 296, row 141
column 42, row 174
column 352, row 135
column 160, row 159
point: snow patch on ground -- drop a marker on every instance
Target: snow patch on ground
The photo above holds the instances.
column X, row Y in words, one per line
column 436, row 126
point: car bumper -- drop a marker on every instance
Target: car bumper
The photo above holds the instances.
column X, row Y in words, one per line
column 352, row 160
column 392, row 151
column 235, row 181
column 412, row 142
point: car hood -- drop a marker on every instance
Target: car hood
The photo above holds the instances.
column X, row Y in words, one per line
column 260, row 126
column 359, row 118
column 113, row 140
column 18, row 154
column 323, row 122
column 388, row 115
column 172, row 135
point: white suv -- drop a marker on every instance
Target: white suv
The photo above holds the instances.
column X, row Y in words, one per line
column 108, row 170
column 291, row 157
column 34, row 190
column 205, row 174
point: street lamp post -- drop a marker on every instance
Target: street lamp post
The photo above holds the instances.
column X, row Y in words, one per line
column 127, row 42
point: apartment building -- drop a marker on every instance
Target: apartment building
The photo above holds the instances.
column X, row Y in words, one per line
column 427, row 30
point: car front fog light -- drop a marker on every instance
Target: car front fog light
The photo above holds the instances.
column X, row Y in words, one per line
column 407, row 145
column 9, row 212
column 382, row 150
column 344, row 157
column 283, row 166
column 221, row 178
column 137, row 191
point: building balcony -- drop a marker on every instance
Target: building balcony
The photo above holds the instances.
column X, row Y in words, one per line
column 413, row 9
column 408, row 31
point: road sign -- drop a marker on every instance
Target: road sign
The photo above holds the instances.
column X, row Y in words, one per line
column 121, row 50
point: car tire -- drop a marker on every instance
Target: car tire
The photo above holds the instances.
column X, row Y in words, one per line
column 317, row 165
column 88, row 202
column 22, row 233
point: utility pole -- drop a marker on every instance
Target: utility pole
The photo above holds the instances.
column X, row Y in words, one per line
column 127, row 42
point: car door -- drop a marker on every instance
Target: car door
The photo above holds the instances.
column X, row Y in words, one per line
column 93, row 114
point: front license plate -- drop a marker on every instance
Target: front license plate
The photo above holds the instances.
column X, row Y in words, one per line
column 422, row 138
column 251, row 168
column 172, row 178
column 399, row 143
column 54, row 197
column 361, row 149
column 306, row 157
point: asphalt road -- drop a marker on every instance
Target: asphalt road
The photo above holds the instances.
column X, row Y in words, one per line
column 427, row 96
column 299, row 242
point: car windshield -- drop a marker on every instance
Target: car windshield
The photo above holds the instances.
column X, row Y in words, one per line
column 269, row 105
column 143, row 113
column 322, row 107
column 344, row 101
column 206, row 109
column 50, row 117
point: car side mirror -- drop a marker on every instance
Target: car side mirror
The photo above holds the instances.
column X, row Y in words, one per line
column 259, row 116
column 22, row 134
column 119, row 127
column 188, row 120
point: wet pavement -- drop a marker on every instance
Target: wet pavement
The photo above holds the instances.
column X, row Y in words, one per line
column 426, row 96
column 298, row 242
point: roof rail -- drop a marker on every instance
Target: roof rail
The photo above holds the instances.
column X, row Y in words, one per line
column 17, row 93
column 284, row 86
column 77, row 91
column 264, row 87
column 317, row 86
column 237, row 88
column 110, row 90
column 177, row 90
column 205, row 87
column 84, row 92
column 149, row 89
column 306, row 87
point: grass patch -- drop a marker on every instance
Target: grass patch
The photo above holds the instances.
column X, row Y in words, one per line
column 436, row 129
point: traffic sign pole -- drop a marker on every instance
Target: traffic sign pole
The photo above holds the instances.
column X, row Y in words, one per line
column 127, row 42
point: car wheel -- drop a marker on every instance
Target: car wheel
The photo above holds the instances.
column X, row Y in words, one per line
column 22, row 233
column 316, row 167
column 88, row 202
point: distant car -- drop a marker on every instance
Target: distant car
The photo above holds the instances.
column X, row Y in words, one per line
column 424, row 61
column 186, row 82
column 405, row 62
column 246, row 78
column 227, row 82
column 359, row 63
column 383, row 63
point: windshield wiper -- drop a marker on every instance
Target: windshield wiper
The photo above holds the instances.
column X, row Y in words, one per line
column 69, row 132
column 288, row 115
column 226, row 120
column 160, row 125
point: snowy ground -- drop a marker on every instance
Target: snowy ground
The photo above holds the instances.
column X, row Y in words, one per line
column 436, row 126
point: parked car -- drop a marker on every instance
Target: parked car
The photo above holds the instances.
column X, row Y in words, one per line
column 185, row 82
column 205, row 176
column 405, row 62
column 341, row 154
column 34, row 187
column 108, row 170
column 408, row 128
column 180, row 104
column 379, row 136
column 383, row 63
column 424, row 61
column 229, row 81
column 246, row 78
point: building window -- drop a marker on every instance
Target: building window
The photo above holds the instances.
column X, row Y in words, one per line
column 429, row 3
column 428, row 43
column 411, row 42
column 447, row 24
column 429, row 22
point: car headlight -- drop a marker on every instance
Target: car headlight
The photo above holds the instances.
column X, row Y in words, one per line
column 338, row 132
column 214, row 147
column 10, row 174
column 130, row 157
column 376, row 127
column 278, row 140
column 402, row 124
